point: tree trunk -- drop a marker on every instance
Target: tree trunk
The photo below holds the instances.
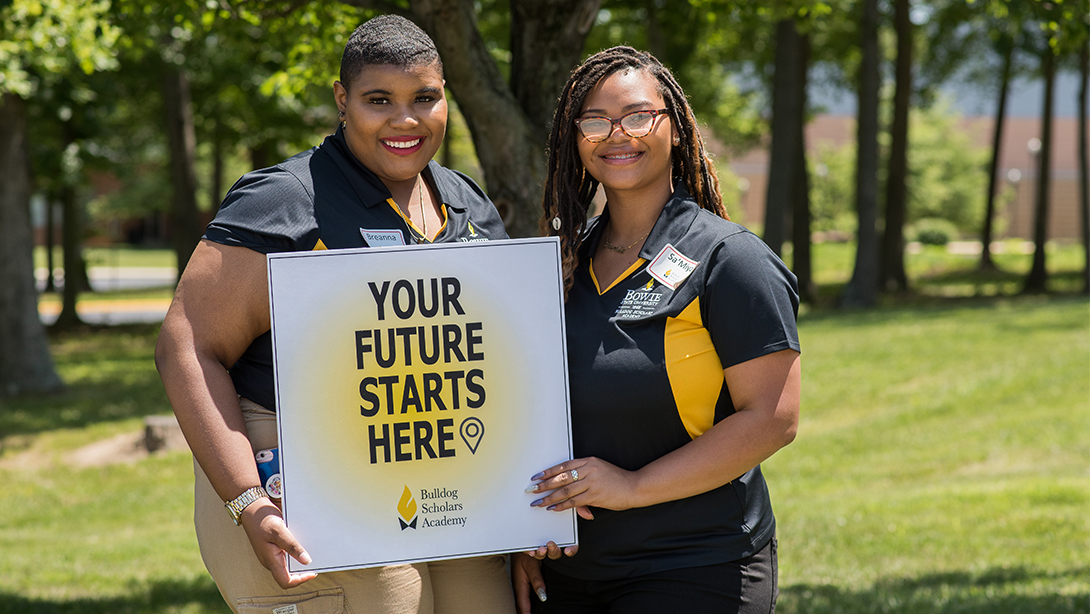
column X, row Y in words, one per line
column 787, row 113
column 50, row 243
column 1084, row 164
column 547, row 39
column 446, row 154
column 656, row 38
column 215, row 190
column 263, row 155
column 510, row 142
column 511, row 156
column 802, row 263
column 892, row 271
column 75, row 272
column 1038, row 274
column 986, row 263
column 25, row 362
column 862, row 290
column 185, row 229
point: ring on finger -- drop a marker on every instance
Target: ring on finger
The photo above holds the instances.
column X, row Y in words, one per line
column 574, row 475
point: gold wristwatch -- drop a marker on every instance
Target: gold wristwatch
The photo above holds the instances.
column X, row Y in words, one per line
column 241, row 502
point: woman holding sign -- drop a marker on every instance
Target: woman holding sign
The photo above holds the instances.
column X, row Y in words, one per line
column 683, row 360
column 371, row 184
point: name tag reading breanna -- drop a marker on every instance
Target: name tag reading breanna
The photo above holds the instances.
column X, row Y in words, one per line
column 418, row 368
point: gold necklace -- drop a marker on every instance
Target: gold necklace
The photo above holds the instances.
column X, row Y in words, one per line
column 423, row 216
column 618, row 248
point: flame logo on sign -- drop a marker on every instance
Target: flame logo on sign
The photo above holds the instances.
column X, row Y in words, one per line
column 406, row 507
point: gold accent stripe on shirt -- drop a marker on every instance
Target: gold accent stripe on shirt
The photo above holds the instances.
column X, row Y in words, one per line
column 410, row 224
column 693, row 368
column 632, row 269
column 446, row 217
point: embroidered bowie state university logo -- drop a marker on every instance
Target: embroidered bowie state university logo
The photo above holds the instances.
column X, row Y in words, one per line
column 474, row 236
column 638, row 302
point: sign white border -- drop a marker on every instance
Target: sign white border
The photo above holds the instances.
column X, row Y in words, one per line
column 508, row 272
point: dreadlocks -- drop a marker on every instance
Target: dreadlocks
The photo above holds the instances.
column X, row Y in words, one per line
column 569, row 188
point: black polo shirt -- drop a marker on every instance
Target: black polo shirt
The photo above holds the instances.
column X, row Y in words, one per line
column 324, row 198
column 645, row 361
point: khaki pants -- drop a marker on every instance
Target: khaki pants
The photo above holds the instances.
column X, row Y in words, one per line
column 477, row 585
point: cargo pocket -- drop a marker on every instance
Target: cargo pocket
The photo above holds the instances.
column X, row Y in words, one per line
column 329, row 601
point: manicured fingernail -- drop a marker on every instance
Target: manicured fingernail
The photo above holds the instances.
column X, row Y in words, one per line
column 537, row 476
column 537, row 503
column 567, row 551
column 531, row 488
column 541, row 594
column 552, row 507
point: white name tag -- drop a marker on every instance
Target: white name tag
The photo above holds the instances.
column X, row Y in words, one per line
column 671, row 267
column 382, row 238
column 287, row 609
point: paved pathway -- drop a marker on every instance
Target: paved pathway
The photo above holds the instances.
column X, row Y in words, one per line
column 121, row 311
column 128, row 311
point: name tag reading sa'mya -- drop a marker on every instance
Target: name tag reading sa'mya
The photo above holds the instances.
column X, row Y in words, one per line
column 418, row 388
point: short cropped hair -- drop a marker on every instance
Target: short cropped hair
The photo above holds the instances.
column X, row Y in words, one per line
column 387, row 40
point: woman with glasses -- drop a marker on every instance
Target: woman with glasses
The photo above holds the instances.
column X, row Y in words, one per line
column 683, row 360
column 372, row 183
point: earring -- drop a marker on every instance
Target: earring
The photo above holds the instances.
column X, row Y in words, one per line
column 556, row 223
column 677, row 140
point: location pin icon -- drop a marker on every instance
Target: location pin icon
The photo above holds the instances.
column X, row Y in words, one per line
column 472, row 430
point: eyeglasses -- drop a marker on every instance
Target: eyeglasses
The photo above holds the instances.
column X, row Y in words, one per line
column 636, row 124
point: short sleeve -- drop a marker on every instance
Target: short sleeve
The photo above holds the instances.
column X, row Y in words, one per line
column 751, row 300
column 268, row 211
column 460, row 191
column 490, row 220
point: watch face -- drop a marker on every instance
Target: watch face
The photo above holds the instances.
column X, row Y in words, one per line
column 273, row 486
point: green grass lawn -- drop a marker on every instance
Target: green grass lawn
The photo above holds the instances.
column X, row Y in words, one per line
column 934, row 272
column 114, row 257
column 119, row 256
column 942, row 462
column 105, row 539
column 942, row 465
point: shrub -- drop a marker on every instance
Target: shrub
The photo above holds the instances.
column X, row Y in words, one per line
column 934, row 231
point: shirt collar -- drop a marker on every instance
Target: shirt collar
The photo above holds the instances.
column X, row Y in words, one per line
column 367, row 185
column 673, row 223
column 677, row 216
column 370, row 188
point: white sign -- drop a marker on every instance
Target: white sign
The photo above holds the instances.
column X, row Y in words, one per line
column 418, row 389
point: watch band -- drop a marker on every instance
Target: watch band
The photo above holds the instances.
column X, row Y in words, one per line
column 241, row 502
